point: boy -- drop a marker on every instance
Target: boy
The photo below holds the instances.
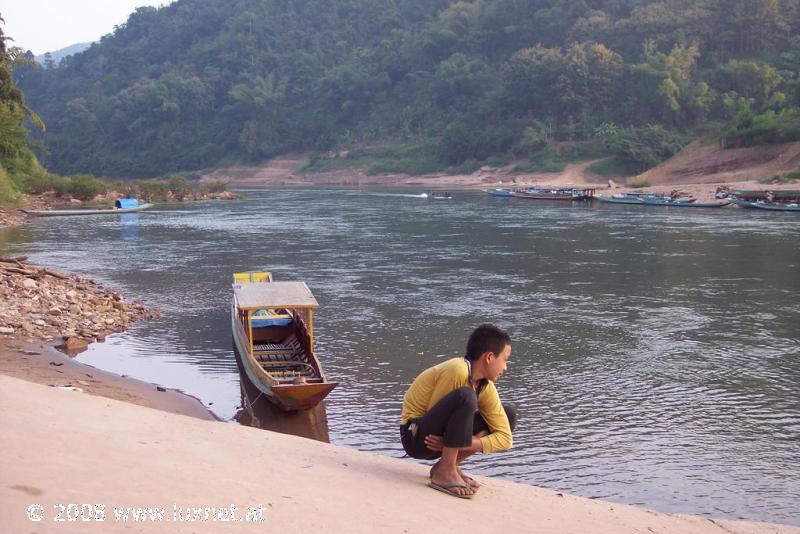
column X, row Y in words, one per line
column 453, row 410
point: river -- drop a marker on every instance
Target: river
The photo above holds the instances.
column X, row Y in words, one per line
column 656, row 351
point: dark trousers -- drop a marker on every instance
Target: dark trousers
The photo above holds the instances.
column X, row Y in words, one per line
column 455, row 417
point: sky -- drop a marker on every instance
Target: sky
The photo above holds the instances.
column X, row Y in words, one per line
column 49, row 25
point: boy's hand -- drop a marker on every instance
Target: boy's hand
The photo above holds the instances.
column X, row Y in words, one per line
column 434, row 443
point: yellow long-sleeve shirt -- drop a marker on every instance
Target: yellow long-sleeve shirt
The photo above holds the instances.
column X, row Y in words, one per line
column 437, row 381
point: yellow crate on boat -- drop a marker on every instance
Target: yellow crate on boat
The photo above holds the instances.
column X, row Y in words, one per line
column 251, row 277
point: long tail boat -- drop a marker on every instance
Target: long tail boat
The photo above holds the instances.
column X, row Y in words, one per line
column 659, row 200
column 771, row 206
column 555, row 193
column 621, row 198
column 786, row 196
column 273, row 330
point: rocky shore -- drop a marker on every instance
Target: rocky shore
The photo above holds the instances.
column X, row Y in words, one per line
column 41, row 304
column 10, row 217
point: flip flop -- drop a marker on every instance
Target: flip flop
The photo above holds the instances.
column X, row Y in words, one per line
column 467, row 479
column 446, row 488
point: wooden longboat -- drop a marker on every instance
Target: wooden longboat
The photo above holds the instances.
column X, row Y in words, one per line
column 658, row 200
column 786, row 196
column 770, row 206
column 621, row 199
column 555, row 193
column 273, row 330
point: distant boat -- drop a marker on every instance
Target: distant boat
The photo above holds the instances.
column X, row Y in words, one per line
column 439, row 195
column 621, row 198
column 658, row 200
column 777, row 206
column 273, row 330
column 122, row 205
column 771, row 206
column 778, row 195
column 499, row 192
column 555, row 193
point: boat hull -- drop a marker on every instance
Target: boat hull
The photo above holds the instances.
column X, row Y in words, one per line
column 612, row 200
column 69, row 213
column 288, row 397
column 685, row 204
column 775, row 207
column 529, row 196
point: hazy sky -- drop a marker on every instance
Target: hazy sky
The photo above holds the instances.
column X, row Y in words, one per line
column 48, row 25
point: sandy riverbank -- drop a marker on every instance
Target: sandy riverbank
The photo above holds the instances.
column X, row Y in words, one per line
column 40, row 363
column 62, row 447
column 284, row 171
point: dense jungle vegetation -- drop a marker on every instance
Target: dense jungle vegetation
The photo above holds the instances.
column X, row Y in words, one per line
column 442, row 83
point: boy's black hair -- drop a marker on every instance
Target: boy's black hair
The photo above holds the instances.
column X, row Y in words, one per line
column 486, row 338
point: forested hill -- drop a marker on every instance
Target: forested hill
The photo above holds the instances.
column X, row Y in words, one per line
column 204, row 81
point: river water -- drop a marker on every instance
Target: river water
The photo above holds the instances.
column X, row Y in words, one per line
column 656, row 351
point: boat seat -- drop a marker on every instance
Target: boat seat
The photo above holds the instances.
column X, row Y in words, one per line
column 287, row 369
column 272, row 348
column 289, row 346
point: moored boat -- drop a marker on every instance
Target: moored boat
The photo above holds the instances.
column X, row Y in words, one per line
column 123, row 205
column 770, row 206
column 499, row 192
column 787, row 196
column 273, row 330
column 658, row 200
column 621, row 198
column 555, row 193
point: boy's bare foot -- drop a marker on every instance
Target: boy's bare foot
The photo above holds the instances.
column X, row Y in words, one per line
column 452, row 483
column 474, row 484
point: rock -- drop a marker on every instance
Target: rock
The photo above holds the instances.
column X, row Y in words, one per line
column 73, row 344
column 39, row 322
column 6, row 330
column 110, row 321
column 29, row 283
column 28, row 327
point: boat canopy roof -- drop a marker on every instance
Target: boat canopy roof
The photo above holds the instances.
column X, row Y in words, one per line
column 274, row 295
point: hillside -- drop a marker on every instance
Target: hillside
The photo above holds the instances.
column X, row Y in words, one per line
column 701, row 163
column 200, row 83
column 57, row 55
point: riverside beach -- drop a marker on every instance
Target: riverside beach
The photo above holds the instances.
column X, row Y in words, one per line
column 75, row 462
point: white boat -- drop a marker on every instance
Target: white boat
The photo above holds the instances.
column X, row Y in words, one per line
column 121, row 207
